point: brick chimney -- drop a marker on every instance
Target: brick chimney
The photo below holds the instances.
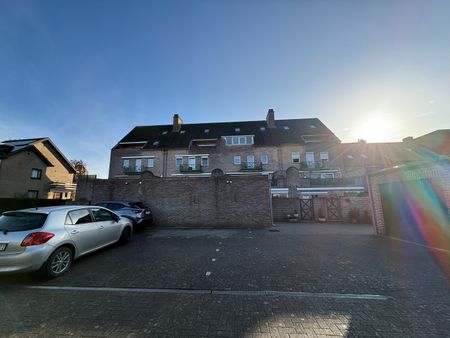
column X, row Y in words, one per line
column 270, row 119
column 177, row 123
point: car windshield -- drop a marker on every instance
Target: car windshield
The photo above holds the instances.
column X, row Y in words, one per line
column 21, row 221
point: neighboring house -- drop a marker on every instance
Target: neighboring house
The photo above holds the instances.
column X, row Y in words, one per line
column 236, row 148
column 35, row 168
column 435, row 143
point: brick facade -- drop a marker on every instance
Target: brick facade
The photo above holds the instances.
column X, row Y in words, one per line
column 438, row 171
column 190, row 202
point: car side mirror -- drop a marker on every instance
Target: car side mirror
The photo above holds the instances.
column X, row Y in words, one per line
column 116, row 218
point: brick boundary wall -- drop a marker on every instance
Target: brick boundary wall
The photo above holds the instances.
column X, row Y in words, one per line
column 205, row 202
column 439, row 171
column 283, row 206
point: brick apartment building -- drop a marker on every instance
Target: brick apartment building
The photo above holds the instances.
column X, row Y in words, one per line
column 236, row 148
column 35, row 168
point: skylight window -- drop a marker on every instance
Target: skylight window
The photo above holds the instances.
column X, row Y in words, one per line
column 164, row 132
column 237, row 130
column 206, row 131
column 182, row 131
column 286, row 127
column 364, row 156
column 312, row 126
column 262, row 128
column 155, row 143
column 350, row 157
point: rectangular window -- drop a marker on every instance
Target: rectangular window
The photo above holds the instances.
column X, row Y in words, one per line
column 33, row 193
column 264, row 159
column 150, row 162
column 138, row 165
column 36, row 174
column 239, row 140
column 205, row 161
column 324, row 156
column 310, row 159
column 250, row 161
column 191, row 163
column 178, row 161
column 126, row 164
column 296, row 157
column 237, row 160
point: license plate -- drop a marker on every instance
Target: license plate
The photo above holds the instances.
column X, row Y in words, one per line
column 3, row 246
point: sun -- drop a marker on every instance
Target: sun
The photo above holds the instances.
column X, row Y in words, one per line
column 376, row 126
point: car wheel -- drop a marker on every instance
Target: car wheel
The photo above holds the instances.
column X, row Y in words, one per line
column 125, row 236
column 59, row 262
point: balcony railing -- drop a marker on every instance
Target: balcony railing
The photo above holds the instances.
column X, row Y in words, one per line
column 61, row 186
column 135, row 170
column 330, row 182
column 251, row 166
column 189, row 168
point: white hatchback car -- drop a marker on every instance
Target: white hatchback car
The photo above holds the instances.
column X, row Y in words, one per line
column 50, row 238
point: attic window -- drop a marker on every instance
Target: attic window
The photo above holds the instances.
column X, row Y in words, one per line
column 286, row 127
column 206, row 131
column 164, row 132
column 312, row 126
column 182, row 131
column 363, row 155
column 350, row 157
column 262, row 128
column 155, row 143
column 237, row 129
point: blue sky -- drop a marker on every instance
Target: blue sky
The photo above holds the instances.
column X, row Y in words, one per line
column 86, row 72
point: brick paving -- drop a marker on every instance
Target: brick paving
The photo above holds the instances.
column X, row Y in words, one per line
column 334, row 259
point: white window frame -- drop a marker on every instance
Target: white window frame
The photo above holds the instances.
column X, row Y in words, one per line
column 324, row 156
column 178, row 158
column 237, row 140
column 310, row 159
column 138, row 165
column 204, row 161
column 126, row 163
column 192, row 162
column 250, row 161
column 264, row 159
column 237, row 160
column 295, row 155
column 150, row 162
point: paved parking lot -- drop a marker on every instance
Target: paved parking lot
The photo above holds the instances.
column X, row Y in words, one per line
column 292, row 280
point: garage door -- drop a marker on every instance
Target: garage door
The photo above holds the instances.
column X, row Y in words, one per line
column 415, row 211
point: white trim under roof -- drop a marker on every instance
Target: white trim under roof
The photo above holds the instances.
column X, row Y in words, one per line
column 243, row 173
column 331, row 188
column 193, row 174
column 193, row 155
column 137, row 142
column 131, row 157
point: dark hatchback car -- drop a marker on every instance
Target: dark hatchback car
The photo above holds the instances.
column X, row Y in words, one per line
column 139, row 214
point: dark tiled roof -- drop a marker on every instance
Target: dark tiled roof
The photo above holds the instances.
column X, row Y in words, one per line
column 162, row 136
column 379, row 154
column 28, row 144
column 437, row 141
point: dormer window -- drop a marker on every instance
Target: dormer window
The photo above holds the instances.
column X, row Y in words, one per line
column 237, row 130
column 155, row 143
column 206, row 131
column 239, row 140
column 312, row 126
column 286, row 127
